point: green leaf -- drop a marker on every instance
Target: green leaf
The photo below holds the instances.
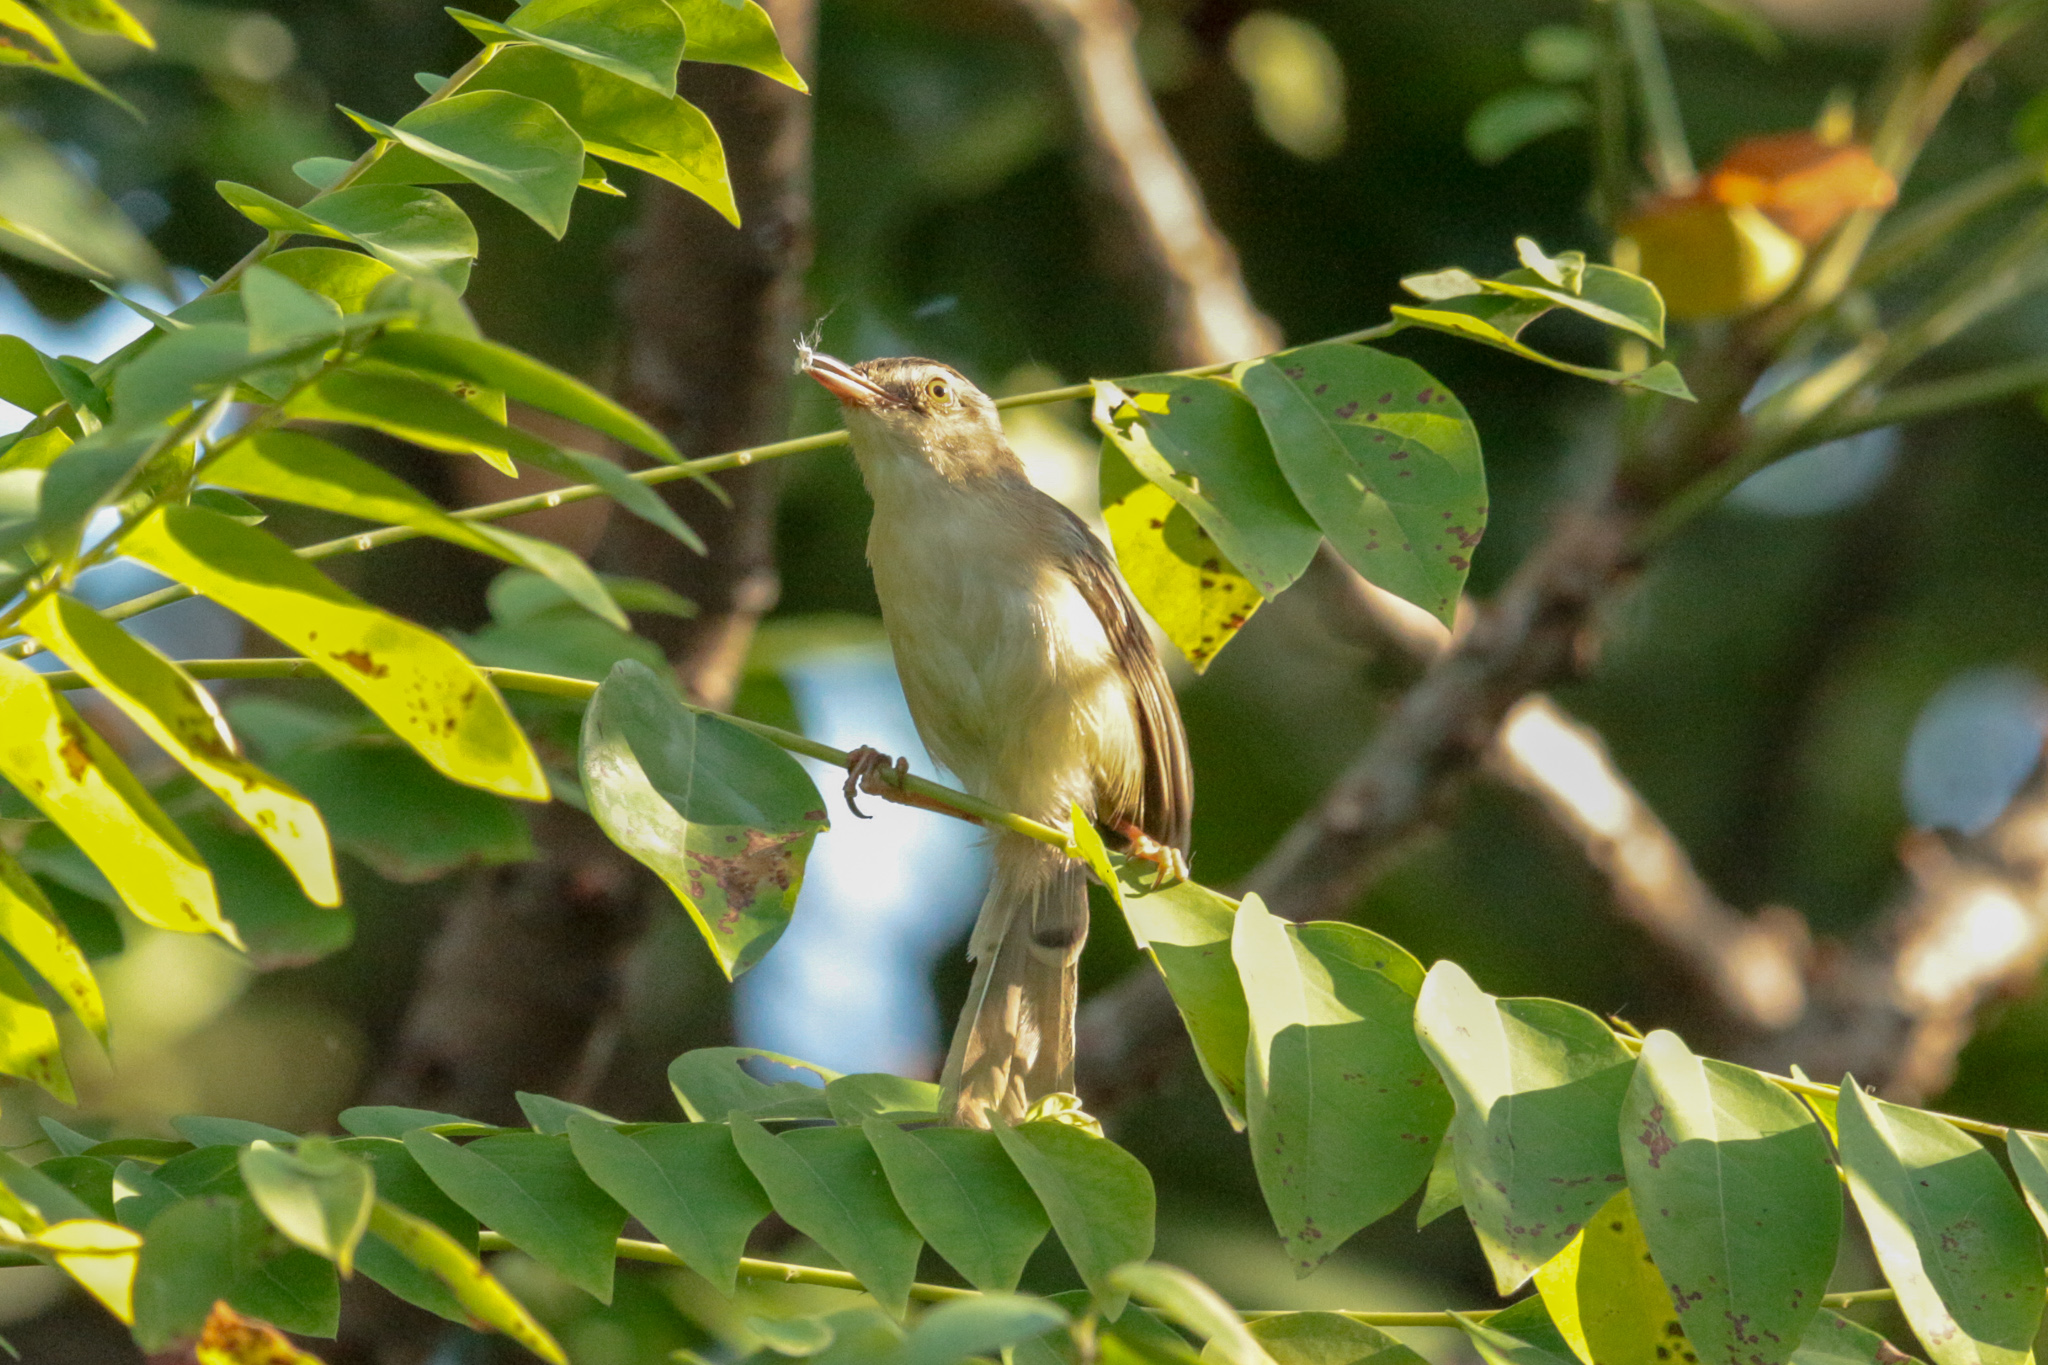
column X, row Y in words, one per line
column 346, row 277
column 685, row 1182
column 1195, row 1306
column 709, row 1084
column 1626, row 302
column 725, row 818
column 620, row 121
column 521, row 378
column 1440, row 1192
column 402, row 1182
column 295, row 467
column 638, row 40
column 965, row 1197
column 1199, row 599
column 1834, row 1340
column 1606, row 1296
column 1346, row 1112
column 1498, row 1347
column 61, row 765
column 1538, row 1086
column 88, row 1179
column 24, row 381
column 982, row 1326
column 528, row 1188
column 828, row 1184
column 1385, row 460
column 1099, row 1197
column 319, row 1197
column 1200, row 440
column 200, row 1250
column 551, row 1116
column 282, row 312
column 517, row 148
column 735, row 35
column 1948, row 1228
column 481, row 1296
column 181, row 369
column 1186, row 928
column 231, row 505
column 413, row 680
column 31, row 927
column 1511, row 120
column 53, row 214
column 183, row 719
column 417, row 411
column 101, row 16
column 855, row 1099
column 395, row 1121
column 1744, row 1207
column 1327, row 1339
column 34, row 1197
column 1472, row 324
column 205, row 1130
column 405, row 227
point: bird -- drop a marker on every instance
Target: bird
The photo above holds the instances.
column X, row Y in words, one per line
column 1031, row 677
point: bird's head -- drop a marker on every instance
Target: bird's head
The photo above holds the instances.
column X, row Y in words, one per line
column 918, row 410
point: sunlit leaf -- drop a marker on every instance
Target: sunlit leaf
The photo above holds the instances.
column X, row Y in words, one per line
column 868, row 1094
column 184, row 720
column 347, row 277
column 517, row 148
column 101, row 16
column 31, row 927
column 319, row 1196
column 1384, row 459
column 28, row 1036
column 1099, row 1197
column 725, row 818
column 1346, row 1111
column 99, row 1255
column 413, row 680
column 1186, row 929
column 60, row 764
column 735, row 35
column 685, row 1182
column 406, row 227
column 620, row 121
column 1539, row 1087
column 1606, row 1296
column 1739, row 1200
column 1175, row 570
column 529, row 1188
column 1949, row 1230
column 637, row 40
column 828, row 1184
column 965, row 1197
column 482, row 1297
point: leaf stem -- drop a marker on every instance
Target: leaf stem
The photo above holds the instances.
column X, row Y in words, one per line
column 1670, row 156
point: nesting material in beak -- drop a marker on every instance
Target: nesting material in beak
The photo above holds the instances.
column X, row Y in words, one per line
column 844, row 382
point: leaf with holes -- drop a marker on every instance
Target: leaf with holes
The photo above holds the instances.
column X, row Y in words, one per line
column 1384, row 459
column 1346, row 1111
column 1738, row 1198
column 1950, row 1232
column 725, row 818
column 414, row 681
column 1538, row 1086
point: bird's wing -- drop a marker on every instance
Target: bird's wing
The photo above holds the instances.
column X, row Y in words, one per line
column 1167, row 799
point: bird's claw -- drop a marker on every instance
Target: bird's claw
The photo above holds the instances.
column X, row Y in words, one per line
column 1169, row 861
column 870, row 770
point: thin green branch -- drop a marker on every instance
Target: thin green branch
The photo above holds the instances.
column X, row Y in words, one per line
column 1938, row 397
column 1670, row 155
column 1610, row 104
column 1919, row 230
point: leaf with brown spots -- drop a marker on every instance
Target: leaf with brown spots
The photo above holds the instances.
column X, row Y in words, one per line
column 1606, row 1297
column 721, row 815
column 183, row 719
column 32, row 928
column 1738, row 1200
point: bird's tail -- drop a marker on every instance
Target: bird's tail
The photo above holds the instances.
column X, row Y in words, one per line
column 1015, row 1040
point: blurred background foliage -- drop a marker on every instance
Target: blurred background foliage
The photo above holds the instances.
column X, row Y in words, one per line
column 1760, row 685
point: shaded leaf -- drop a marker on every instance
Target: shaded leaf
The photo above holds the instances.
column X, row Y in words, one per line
column 1948, row 1228
column 1834, row 1340
column 1312, row 1338
column 517, row 148
column 1742, row 1207
column 685, row 1182
column 1186, row 929
column 1496, row 1346
column 725, row 818
column 184, row 720
column 482, row 1297
column 529, row 1188
column 413, row 680
column 1098, row 1196
column 1507, row 122
column 1538, row 1086
column 1195, row 1306
column 205, row 1130
column 963, row 1194
column 986, row 1325
column 61, row 765
column 709, row 1084
column 855, row 1099
column 551, row 1116
column 320, row 1197
column 1346, row 1111
column 1384, row 458
column 278, row 925
column 828, row 1184
column 395, row 1121
column 49, row 212
column 1473, row 325
column 201, row 1250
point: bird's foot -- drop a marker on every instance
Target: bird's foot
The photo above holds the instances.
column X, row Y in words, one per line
column 870, row 770
column 1144, row 848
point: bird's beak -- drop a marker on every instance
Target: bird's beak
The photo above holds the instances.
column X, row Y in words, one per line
column 846, row 383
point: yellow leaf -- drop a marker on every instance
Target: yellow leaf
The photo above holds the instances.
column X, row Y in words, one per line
column 101, row 1257
column 1713, row 260
column 32, row 929
column 57, row 761
column 1607, row 1297
column 28, row 1036
column 228, row 1338
column 416, row 682
column 1175, row 570
column 180, row 715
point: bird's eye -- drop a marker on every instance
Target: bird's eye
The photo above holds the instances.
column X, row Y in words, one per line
column 939, row 391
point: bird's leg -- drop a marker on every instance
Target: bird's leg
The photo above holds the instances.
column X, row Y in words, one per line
column 1145, row 848
column 870, row 770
